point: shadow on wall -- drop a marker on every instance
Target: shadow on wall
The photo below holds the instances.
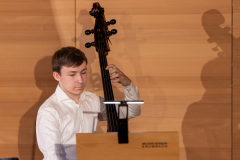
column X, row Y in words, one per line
column 27, row 143
column 28, row 32
column 156, row 106
column 86, row 21
column 206, row 127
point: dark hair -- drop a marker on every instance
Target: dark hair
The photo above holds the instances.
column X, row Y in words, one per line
column 67, row 56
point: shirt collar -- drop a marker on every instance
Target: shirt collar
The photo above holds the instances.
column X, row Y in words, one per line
column 61, row 95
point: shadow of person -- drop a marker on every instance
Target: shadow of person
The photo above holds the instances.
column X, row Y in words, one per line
column 27, row 144
column 155, row 106
column 206, row 127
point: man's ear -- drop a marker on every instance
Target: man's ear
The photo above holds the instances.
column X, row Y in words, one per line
column 56, row 76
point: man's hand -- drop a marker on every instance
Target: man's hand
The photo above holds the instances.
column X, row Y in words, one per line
column 117, row 76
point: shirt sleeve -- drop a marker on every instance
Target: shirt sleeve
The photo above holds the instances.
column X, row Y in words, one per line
column 134, row 110
column 48, row 135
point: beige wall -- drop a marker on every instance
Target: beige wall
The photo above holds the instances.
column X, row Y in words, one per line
column 179, row 54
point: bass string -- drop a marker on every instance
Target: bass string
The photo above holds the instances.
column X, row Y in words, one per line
column 100, row 50
column 108, row 94
column 111, row 109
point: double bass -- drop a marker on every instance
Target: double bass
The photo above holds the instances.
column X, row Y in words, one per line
column 101, row 43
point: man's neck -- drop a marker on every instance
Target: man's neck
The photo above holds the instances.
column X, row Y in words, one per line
column 76, row 100
column 74, row 97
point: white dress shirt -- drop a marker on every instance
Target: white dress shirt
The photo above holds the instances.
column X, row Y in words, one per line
column 60, row 118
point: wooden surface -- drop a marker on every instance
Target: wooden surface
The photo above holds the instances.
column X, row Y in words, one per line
column 169, row 50
column 179, row 54
column 141, row 146
column 236, row 80
column 29, row 35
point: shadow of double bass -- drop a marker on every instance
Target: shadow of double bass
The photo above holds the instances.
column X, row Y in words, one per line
column 206, row 126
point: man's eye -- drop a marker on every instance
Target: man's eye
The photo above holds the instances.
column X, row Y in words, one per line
column 72, row 75
column 84, row 72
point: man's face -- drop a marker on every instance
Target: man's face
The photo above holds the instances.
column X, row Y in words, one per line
column 72, row 80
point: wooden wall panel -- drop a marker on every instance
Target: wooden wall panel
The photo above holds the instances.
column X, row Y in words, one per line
column 179, row 55
column 236, row 80
column 177, row 52
column 30, row 32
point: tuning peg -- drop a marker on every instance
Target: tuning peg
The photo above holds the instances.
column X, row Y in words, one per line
column 112, row 22
column 87, row 32
column 88, row 45
column 113, row 31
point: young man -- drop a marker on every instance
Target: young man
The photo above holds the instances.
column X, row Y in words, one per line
column 72, row 110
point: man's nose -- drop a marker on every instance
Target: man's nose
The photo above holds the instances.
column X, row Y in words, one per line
column 79, row 78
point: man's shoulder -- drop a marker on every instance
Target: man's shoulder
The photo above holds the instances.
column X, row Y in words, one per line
column 88, row 94
column 48, row 104
column 91, row 100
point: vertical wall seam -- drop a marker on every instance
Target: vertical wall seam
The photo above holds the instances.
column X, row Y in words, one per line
column 75, row 37
column 232, row 80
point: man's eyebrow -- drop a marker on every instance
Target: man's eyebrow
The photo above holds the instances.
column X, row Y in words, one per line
column 72, row 72
column 76, row 71
column 84, row 69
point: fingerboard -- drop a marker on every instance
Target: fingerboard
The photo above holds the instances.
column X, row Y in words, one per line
column 108, row 95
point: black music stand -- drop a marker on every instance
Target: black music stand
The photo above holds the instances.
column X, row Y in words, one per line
column 123, row 121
